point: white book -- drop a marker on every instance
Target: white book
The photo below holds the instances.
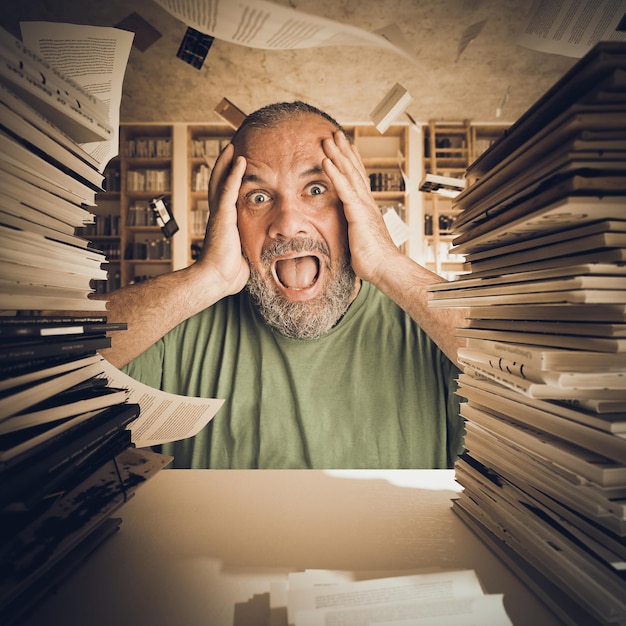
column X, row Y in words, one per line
column 29, row 193
column 14, row 102
column 55, row 152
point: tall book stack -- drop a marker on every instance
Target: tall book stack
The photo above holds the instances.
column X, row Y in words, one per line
column 542, row 224
column 66, row 458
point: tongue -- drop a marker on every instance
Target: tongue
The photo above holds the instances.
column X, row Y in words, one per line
column 297, row 273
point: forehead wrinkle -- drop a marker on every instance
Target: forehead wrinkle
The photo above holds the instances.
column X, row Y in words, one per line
column 315, row 170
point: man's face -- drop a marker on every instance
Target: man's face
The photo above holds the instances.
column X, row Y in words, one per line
column 292, row 228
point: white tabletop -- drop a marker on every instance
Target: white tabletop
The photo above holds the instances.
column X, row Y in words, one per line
column 201, row 547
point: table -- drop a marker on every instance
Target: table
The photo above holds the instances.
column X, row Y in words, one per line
column 200, row 547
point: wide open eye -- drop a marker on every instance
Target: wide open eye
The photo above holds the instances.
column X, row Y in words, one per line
column 257, row 197
column 316, row 189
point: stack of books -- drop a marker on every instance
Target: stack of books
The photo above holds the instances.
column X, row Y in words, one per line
column 542, row 224
column 66, row 458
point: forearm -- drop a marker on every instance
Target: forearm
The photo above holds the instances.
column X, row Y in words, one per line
column 152, row 308
column 407, row 285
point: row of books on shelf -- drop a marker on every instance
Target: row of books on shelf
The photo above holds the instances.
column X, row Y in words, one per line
column 543, row 228
column 200, row 178
column 102, row 226
column 156, row 180
column 67, row 461
column 209, row 147
column 148, row 147
column 386, row 181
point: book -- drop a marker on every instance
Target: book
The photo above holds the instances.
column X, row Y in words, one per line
column 394, row 102
column 51, row 204
column 16, row 448
column 547, row 312
column 75, row 444
column 596, row 468
column 538, row 215
column 508, row 407
column 588, row 79
column 14, row 153
column 612, row 346
column 26, row 350
column 444, row 185
column 15, row 400
column 582, row 328
column 63, row 406
column 572, row 235
column 20, row 327
column 39, row 371
column 541, row 358
column 12, row 101
column 498, row 396
column 44, row 146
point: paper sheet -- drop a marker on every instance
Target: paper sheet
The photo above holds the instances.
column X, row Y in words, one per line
column 164, row 416
column 262, row 24
column 572, row 27
column 93, row 56
column 444, row 598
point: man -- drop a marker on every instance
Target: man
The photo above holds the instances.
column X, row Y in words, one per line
column 301, row 313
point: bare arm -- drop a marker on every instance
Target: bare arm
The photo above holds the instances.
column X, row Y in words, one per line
column 153, row 308
column 375, row 257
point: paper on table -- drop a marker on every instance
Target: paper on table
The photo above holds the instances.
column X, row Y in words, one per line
column 164, row 416
column 574, row 28
column 486, row 610
column 73, row 47
column 262, row 24
column 437, row 586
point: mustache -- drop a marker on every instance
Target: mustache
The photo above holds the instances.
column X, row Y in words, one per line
column 281, row 247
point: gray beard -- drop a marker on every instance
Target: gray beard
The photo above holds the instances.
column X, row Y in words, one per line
column 301, row 320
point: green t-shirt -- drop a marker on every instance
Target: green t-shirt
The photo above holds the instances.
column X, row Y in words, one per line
column 374, row 392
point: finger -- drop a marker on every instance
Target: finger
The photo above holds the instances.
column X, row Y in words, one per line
column 346, row 160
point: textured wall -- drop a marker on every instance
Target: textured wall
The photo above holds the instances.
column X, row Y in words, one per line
column 346, row 81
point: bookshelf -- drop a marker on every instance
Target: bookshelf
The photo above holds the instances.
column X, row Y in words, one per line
column 204, row 143
column 403, row 153
column 448, row 149
column 386, row 159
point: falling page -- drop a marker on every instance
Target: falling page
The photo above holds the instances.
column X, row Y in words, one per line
column 261, row 24
column 164, row 416
column 572, row 27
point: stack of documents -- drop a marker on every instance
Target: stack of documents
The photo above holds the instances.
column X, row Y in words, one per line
column 543, row 227
column 67, row 460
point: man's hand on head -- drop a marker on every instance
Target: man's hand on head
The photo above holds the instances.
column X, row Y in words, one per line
column 221, row 252
column 371, row 247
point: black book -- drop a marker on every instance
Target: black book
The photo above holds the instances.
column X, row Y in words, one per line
column 26, row 491
column 63, row 440
column 26, row 351
column 22, row 329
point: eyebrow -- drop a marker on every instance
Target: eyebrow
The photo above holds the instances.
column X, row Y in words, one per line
column 316, row 170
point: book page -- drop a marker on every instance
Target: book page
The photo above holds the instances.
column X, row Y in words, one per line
column 93, row 56
column 262, row 24
column 572, row 27
column 164, row 416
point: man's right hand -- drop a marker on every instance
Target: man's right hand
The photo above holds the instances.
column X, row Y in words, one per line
column 221, row 253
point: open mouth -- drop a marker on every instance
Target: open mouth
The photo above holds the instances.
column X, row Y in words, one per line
column 298, row 273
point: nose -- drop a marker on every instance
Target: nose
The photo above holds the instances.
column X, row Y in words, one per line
column 288, row 219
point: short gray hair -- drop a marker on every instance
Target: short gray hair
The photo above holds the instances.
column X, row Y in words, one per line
column 273, row 114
